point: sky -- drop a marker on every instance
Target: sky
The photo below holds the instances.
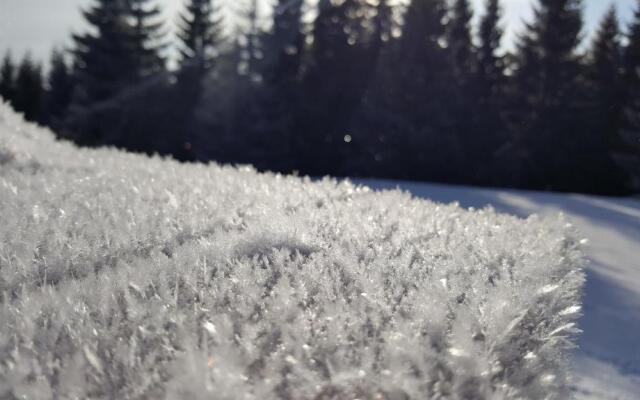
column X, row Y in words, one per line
column 37, row 26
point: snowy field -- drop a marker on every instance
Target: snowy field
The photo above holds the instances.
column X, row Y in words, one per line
column 123, row 276
column 607, row 364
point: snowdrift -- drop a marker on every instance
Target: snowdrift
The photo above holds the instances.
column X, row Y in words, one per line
column 129, row 277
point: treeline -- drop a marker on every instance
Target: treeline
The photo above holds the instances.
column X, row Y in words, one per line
column 366, row 88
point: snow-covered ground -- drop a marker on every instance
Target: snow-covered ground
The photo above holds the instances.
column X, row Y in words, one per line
column 607, row 364
column 102, row 252
column 128, row 277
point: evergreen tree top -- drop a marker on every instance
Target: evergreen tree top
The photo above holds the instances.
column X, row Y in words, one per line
column 28, row 88
column 354, row 21
column 459, row 37
column 490, row 63
column 547, row 50
column 59, row 67
column 461, row 19
column 424, row 21
column 632, row 50
column 556, row 29
column 7, row 77
column 606, row 51
column 8, row 68
column 490, row 32
column 286, row 33
column 200, row 31
column 608, row 31
column 123, row 48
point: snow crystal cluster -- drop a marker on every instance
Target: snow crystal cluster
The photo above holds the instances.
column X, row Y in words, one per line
column 127, row 277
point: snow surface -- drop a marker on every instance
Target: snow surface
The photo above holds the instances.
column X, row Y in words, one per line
column 123, row 276
column 607, row 363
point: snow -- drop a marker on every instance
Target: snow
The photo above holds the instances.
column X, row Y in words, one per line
column 607, row 362
column 123, row 276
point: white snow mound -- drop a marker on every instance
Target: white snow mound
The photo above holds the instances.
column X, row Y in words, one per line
column 127, row 277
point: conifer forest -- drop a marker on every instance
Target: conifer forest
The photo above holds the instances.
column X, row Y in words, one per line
column 420, row 90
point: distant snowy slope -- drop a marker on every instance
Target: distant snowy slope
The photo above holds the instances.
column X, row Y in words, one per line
column 129, row 277
column 607, row 363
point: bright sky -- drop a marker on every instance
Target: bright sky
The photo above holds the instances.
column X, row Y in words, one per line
column 38, row 25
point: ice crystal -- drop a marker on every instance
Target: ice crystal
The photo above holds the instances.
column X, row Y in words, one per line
column 129, row 277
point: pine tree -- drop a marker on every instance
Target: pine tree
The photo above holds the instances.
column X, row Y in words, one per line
column 114, row 64
column 251, row 34
column 551, row 40
column 200, row 34
column 422, row 52
column 284, row 43
column 398, row 116
column 423, row 35
column 490, row 70
column 7, row 79
column 123, row 50
column 104, row 62
column 28, row 89
column 631, row 54
column 548, row 98
column 383, row 22
column 147, row 39
column 631, row 61
column 249, row 122
column 280, row 94
column 462, row 98
column 630, row 133
column 370, row 153
column 605, row 77
column 341, row 64
column 423, row 90
column 459, row 41
column 59, row 93
column 489, row 88
column 201, row 38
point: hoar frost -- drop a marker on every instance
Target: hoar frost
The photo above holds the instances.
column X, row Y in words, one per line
column 129, row 277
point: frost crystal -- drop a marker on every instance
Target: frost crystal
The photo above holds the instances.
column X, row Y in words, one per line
column 129, row 277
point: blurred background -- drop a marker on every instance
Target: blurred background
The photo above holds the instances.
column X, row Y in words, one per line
column 532, row 94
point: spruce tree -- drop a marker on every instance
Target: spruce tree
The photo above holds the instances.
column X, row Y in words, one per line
column 422, row 36
column 342, row 60
column 605, row 76
column 7, row 79
column 251, row 44
column 373, row 125
column 113, row 64
column 632, row 50
column 284, row 43
column 123, row 49
column 489, row 90
column 490, row 65
column 631, row 61
column 551, row 42
column 59, row 92
column 280, row 94
column 28, row 89
column 250, row 122
column 147, row 39
column 548, row 99
column 104, row 60
column 630, row 133
column 459, row 41
column 383, row 21
column 201, row 37
column 424, row 60
column 423, row 94
column 462, row 98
